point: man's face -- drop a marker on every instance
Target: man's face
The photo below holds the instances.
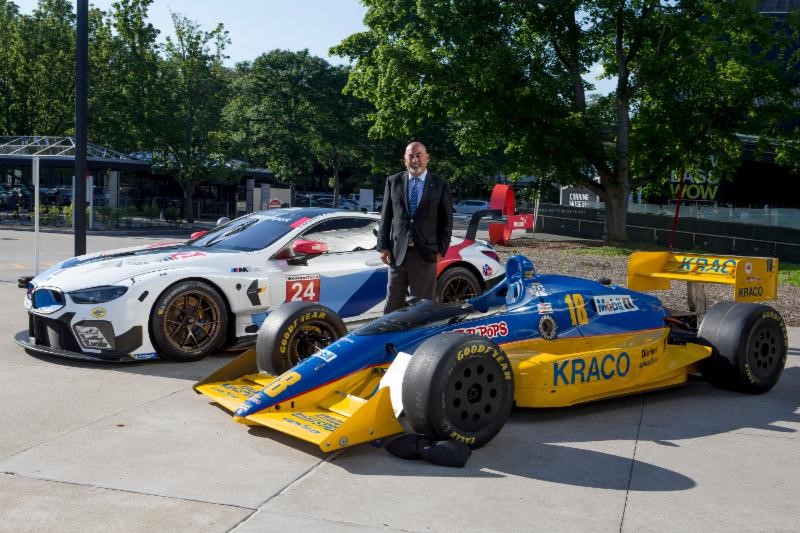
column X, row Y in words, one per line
column 416, row 158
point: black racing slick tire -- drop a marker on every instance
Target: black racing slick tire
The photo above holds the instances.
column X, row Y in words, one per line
column 293, row 332
column 750, row 346
column 457, row 284
column 189, row 321
column 458, row 387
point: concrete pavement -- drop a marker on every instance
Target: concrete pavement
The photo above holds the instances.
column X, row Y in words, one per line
column 93, row 447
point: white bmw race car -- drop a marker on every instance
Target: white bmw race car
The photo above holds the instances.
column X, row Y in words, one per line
column 186, row 300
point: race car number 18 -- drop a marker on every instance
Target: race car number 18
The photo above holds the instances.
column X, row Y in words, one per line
column 302, row 290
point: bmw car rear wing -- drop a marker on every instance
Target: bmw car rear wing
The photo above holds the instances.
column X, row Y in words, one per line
column 754, row 279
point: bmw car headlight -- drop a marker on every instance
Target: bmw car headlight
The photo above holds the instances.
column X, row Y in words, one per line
column 97, row 295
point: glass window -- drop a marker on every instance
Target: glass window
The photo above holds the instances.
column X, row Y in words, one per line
column 344, row 234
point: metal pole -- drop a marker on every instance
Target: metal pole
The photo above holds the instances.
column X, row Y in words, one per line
column 35, row 179
column 81, row 85
column 677, row 208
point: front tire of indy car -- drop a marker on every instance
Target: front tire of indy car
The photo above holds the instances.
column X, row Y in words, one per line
column 189, row 321
column 293, row 332
column 457, row 284
column 750, row 346
column 458, row 387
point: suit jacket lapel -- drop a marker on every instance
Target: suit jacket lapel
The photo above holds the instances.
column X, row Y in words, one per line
column 405, row 191
column 426, row 192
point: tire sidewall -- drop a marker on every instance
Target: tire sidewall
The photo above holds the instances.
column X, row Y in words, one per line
column 453, row 272
column 427, row 402
column 275, row 334
column 163, row 344
column 749, row 379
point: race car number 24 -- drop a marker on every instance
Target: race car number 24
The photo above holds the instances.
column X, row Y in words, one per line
column 302, row 288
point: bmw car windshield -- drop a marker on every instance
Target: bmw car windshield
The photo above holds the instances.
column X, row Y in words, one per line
column 245, row 234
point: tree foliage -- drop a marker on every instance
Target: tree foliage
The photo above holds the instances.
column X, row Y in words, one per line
column 510, row 76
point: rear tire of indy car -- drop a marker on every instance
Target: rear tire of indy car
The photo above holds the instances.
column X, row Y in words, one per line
column 458, row 387
column 293, row 332
column 189, row 321
column 457, row 284
column 750, row 346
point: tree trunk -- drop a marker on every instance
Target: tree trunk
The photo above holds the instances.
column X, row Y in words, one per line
column 616, row 213
column 188, row 208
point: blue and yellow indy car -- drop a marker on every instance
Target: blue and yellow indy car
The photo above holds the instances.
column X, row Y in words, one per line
column 535, row 340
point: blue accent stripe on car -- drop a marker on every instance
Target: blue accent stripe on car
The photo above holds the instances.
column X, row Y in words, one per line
column 353, row 294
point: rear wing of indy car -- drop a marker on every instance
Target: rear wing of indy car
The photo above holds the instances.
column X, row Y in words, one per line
column 754, row 279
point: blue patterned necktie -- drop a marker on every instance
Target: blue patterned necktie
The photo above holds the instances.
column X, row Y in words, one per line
column 412, row 197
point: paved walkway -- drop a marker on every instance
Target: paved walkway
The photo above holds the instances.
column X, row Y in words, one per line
column 90, row 447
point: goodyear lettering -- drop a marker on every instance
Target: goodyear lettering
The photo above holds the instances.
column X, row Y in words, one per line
column 461, row 438
column 497, row 329
column 573, row 371
column 701, row 264
column 750, row 292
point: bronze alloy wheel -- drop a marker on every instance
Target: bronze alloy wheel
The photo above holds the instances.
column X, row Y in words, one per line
column 457, row 284
column 192, row 321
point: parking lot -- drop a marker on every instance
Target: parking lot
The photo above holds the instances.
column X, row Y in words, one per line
column 99, row 447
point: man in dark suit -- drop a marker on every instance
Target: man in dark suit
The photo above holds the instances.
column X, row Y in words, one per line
column 416, row 224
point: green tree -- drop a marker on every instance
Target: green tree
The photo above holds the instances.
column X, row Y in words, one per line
column 197, row 80
column 270, row 113
column 46, row 78
column 510, row 75
column 11, row 67
column 127, row 102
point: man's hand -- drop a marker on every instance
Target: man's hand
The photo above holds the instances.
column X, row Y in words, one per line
column 386, row 256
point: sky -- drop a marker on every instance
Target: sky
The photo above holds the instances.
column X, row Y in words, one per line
column 258, row 26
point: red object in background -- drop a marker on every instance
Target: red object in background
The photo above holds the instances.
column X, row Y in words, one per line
column 274, row 203
column 198, row 234
column 503, row 199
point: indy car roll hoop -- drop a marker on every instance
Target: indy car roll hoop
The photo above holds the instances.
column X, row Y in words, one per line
column 535, row 340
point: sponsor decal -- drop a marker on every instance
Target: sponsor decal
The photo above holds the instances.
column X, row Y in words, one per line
column 649, row 356
column 321, row 420
column 299, row 222
column 92, row 337
column 245, row 269
column 161, row 245
column 770, row 264
column 750, row 292
column 496, row 329
column 537, row 289
column 326, row 355
column 701, row 264
column 136, row 262
column 597, row 368
column 752, row 279
column 183, row 255
column 277, row 218
column 614, row 303
column 98, row 312
column 748, row 268
column 237, row 390
column 544, row 308
column 145, row 356
column 548, row 329
column 487, row 271
column 302, row 288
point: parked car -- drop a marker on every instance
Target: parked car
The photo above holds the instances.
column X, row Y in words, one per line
column 186, row 300
column 467, row 207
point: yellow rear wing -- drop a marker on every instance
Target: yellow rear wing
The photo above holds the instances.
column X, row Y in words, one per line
column 754, row 279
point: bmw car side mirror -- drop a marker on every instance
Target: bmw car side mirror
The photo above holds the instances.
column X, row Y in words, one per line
column 305, row 250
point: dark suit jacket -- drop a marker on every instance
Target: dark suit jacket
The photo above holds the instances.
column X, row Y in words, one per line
column 432, row 225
